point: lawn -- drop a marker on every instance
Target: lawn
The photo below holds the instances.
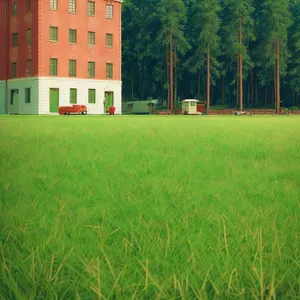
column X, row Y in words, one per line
column 149, row 207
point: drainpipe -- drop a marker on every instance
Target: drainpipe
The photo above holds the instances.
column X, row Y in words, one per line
column 6, row 53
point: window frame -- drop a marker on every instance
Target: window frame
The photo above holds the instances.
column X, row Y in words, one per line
column 109, row 37
column 28, row 67
column 14, row 70
column 52, row 35
column 94, row 96
column 72, row 7
column 15, row 9
column 15, row 40
column 72, row 69
column 27, row 95
column 91, row 38
column 109, row 70
column 53, row 5
column 70, row 35
column 91, row 69
column 91, row 8
column 109, row 11
column 29, row 36
column 53, row 66
column 71, row 100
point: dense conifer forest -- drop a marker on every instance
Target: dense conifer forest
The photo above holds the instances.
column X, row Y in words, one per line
column 234, row 53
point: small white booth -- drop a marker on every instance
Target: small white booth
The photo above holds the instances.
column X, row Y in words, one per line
column 189, row 106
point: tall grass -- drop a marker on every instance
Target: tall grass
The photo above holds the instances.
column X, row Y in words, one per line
column 149, row 207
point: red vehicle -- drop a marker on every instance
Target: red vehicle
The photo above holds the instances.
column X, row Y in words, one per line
column 74, row 109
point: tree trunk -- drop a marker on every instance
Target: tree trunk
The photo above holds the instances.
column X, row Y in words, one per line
column 208, row 79
column 241, row 66
column 171, row 73
column 223, row 91
column 278, row 78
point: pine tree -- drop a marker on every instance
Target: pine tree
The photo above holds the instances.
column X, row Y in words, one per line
column 295, row 48
column 239, row 31
column 173, row 18
column 209, row 40
column 278, row 19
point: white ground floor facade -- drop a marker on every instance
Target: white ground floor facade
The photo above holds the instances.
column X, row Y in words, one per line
column 35, row 95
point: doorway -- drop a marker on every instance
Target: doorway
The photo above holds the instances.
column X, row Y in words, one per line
column 54, row 100
column 109, row 101
column 14, row 101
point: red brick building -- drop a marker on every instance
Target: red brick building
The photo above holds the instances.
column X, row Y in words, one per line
column 60, row 52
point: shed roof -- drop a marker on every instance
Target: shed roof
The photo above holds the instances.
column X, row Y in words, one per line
column 190, row 100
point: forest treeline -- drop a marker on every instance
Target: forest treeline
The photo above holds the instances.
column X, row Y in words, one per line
column 237, row 53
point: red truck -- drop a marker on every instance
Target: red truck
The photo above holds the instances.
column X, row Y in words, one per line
column 74, row 110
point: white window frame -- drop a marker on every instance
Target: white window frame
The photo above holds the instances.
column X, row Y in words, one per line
column 72, row 6
column 109, row 11
column 91, row 8
column 53, row 4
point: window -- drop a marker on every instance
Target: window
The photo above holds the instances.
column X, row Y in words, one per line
column 91, row 69
column 72, row 68
column 109, row 70
column 53, row 4
column 91, row 38
column 109, row 11
column 15, row 40
column 92, row 96
column 27, row 95
column 72, row 36
column 109, row 40
column 91, row 8
column 29, row 40
column 72, row 6
column 28, row 67
column 28, row 6
column 14, row 70
column 53, row 34
column 53, row 66
column 15, row 9
column 73, row 96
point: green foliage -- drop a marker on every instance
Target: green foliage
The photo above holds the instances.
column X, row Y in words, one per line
column 207, row 27
column 277, row 22
column 236, row 9
column 194, row 25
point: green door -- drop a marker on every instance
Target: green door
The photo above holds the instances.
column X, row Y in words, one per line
column 54, row 100
column 109, row 100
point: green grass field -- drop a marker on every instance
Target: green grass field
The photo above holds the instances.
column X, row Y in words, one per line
column 149, row 207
